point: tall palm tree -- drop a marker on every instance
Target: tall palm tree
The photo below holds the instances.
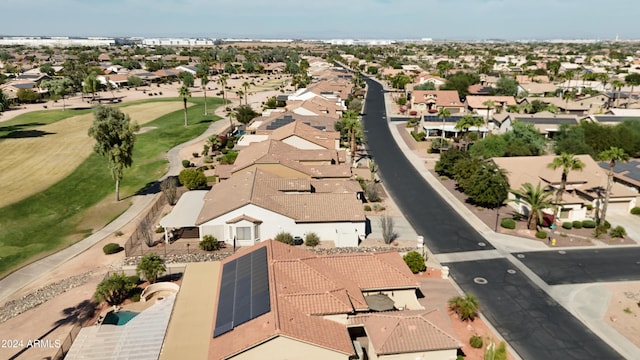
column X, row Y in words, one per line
column 351, row 123
column 633, row 80
column 240, row 93
column 567, row 162
column 245, row 85
column 467, row 121
column 222, row 80
column 443, row 114
column 537, row 198
column 617, row 87
column 204, row 80
column 613, row 155
column 490, row 104
column 184, row 93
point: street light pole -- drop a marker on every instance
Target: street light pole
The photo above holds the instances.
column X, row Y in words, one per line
column 495, row 229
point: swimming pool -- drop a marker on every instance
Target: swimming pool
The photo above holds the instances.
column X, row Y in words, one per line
column 119, row 318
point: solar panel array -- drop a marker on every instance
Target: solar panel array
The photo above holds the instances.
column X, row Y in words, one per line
column 244, row 291
column 632, row 168
column 277, row 123
column 449, row 119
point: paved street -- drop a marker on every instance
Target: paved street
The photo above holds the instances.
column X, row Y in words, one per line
column 534, row 324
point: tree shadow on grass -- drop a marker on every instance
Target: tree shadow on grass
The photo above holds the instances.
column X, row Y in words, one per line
column 21, row 134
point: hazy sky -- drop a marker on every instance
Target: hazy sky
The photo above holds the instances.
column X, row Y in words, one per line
column 438, row 19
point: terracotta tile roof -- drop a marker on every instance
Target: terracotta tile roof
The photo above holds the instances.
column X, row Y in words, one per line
column 533, row 169
column 318, row 105
column 373, row 270
column 261, row 123
column 477, row 101
column 404, row 332
column 443, row 98
column 319, row 163
column 325, row 139
column 264, row 189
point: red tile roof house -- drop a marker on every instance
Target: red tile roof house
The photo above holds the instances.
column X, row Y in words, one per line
column 584, row 187
column 431, row 101
column 254, row 205
column 298, row 305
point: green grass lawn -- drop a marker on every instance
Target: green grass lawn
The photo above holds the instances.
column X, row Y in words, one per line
column 51, row 220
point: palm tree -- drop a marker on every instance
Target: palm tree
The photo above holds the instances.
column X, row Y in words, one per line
column 150, row 267
column 490, row 104
column 184, row 94
column 240, row 93
column 632, row 79
column 351, row 123
column 245, row 85
column 617, row 87
column 613, row 155
column 567, row 162
column 466, row 307
column 568, row 95
column 537, row 198
column 467, row 121
column 204, row 80
column 443, row 114
column 222, row 80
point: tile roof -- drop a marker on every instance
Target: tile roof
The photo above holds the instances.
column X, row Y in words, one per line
column 477, row 101
column 403, row 332
column 265, row 123
column 264, row 189
column 443, row 98
column 325, row 139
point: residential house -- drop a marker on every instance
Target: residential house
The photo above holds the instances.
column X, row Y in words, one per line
column 288, row 161
column 302, row 306
column 297, row 134
column 537, row 89
column 263, row 125
column 585, row 188
column 425, row 77
column 431, row 101
column 547, row 123
column 480, row 104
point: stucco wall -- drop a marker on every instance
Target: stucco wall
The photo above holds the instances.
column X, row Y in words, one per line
column 343, row 234
column 289, row 349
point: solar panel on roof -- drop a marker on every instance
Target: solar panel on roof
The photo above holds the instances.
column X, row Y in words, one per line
column 244, row 291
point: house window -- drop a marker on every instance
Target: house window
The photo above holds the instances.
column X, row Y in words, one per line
column 564, row 213
column 243, row 233
column 256, row 231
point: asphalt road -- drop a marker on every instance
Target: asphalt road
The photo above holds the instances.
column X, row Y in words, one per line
column 584, row 266
column 534, row 324
column 428, row 213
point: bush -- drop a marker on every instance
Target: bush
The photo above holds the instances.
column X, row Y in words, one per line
column 508, row 223
column 207, row 159
column 311, row 239
column 635, row 210
column 589, row 207
column 284, row 237
column 112, row 248
column 415, row 262
column 475, row 341
column 541, row 234
column 367, row 208
column 567, row 225
column 186, row 163
column 420, row 136
column 577, row 224
column 517, row 216
column 118, row 233
column 607, row 225
column 159, row 230
column 195, row 154
column 150, row 267
column 372, row 193
column 599, row 231
column 589, row 224
column 193, row 179
column 209, row 243
column 466, row 307
column 229, row 158
column 618, row 232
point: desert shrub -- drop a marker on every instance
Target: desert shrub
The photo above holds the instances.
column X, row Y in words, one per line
column 159, row 230
column 311, row 239
column 363, row 183
column 567, row 225
column 186, row 163
column 372, row 193
column 466, row 307
column 419, row 136
column 508, row 223
column 195, row 154
column 284, row 237
column 517, row 216
column 599, row 231
column 589, row 207
column 607, row 225
column 618, row 232
column 577, row 224
column 193, row 179
column 209, row 243
column 541, row 234
column 224, row 151
column 112, row 248
column 589, row 224
column 635, row 210
column 118, row 233
column 229, row 158
column 367, row 208
column 207, row 159
column 378, row 207
column 415, row 262
column 475, row 341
